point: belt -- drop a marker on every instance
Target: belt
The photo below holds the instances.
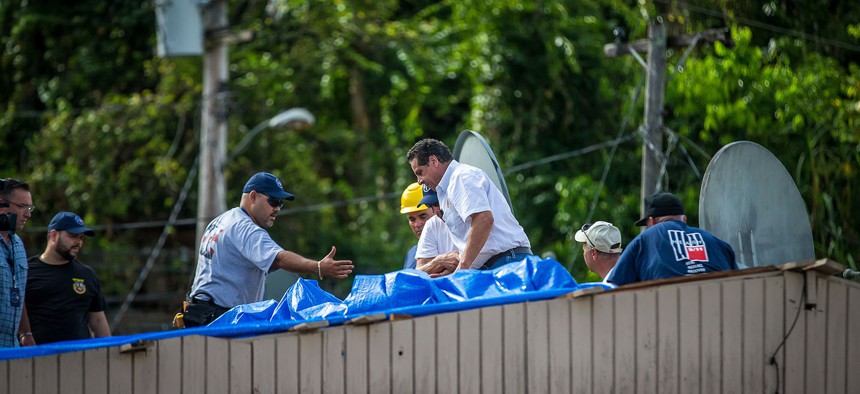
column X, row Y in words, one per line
column 508, row 253
column 194, row 300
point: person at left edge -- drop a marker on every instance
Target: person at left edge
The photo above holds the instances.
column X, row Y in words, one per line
column 14, row 324
column 64, row 297
column 236, row 253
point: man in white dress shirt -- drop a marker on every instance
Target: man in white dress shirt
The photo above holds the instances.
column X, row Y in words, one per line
column 482, row 224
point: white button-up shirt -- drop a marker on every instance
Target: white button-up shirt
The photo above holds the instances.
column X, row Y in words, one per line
column 465, row 190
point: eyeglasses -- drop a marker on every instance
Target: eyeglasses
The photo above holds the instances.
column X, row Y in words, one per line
column 28, row 208
column 585, row 228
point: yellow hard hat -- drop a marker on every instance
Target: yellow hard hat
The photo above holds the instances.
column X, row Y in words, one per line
column 410, row 198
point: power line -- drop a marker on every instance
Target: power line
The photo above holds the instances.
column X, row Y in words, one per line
column 569, row 154
column 150, row 262
column 608, row 165
column 765, row 26
column 354, row 201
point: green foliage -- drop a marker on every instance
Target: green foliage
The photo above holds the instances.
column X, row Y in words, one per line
column 803, row 109
column 100, row 127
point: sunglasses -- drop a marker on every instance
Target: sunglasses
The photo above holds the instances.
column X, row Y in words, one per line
column 275, row 202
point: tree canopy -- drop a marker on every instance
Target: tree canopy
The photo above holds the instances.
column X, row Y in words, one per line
column 101, row 126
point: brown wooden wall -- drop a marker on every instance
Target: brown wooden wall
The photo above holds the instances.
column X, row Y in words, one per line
column 695, row 337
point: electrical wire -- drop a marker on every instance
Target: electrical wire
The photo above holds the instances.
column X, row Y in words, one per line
column 568, row 154
column 608, row 164
column 683, row 150
column 144, row 273
column 800, row 306
column 765, row 26
column 673, row 141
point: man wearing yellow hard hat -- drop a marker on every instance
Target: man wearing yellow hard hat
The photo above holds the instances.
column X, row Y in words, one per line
column 417, row 215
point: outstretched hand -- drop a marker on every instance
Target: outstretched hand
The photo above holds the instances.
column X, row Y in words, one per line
column 331, row 268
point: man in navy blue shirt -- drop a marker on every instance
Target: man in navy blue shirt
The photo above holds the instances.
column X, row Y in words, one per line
column 669, row 247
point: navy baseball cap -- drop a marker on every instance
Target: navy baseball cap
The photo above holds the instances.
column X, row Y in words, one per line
column 661, row 204
column 268, row 184
column 68, row 221
column 430, row 197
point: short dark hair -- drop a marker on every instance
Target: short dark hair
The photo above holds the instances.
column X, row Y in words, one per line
column 422, row 150
column 8, row 185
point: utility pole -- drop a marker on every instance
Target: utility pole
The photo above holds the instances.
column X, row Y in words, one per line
column 211, row 189
column 656, row 45
column 655, row 90
column 213, row 124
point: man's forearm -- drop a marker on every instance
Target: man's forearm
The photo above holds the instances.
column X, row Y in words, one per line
column 479, row 232
column 443, row 263
column 98, row 324
column 295, row 263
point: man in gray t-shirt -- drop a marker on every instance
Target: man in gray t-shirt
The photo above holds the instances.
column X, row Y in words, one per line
column 236, row 253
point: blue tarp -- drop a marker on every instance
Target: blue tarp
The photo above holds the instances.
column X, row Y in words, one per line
column 409, row 292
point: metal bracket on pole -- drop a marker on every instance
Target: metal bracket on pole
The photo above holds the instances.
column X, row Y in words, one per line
column 680, row 65
column 638, row 58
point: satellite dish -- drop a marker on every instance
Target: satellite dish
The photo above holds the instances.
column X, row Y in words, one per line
column 749, row 200
column 472, row 149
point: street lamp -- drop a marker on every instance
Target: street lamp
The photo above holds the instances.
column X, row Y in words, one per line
column 212, row 200
column 294, row 118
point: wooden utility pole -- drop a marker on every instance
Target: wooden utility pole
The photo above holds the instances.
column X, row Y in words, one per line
column 655, row 89
column 211, row 200
column 656, row 46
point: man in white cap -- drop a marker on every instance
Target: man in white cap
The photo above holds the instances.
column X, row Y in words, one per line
column 601, row 246
column 236, row 253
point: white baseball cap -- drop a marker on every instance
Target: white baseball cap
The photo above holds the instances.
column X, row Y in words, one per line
column 602, row 236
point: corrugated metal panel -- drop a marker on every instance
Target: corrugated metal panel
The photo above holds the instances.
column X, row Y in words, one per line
column 795, row 344
column 95, row 365
column 696, row 337
column 690, row 326
column 560, row 350
column 853, row 345
column 837, row 339
column 492, row 354
column 287, row 363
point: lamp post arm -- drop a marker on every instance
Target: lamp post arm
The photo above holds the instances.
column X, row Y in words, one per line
column 299, row 117
column 247, row 140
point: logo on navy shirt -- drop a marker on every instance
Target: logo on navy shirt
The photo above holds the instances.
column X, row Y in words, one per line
column 689, row 247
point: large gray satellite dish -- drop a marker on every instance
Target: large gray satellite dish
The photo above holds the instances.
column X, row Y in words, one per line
column 472, row 149
column 749, row 200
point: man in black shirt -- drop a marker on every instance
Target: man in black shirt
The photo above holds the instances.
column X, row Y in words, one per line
column 64, row 298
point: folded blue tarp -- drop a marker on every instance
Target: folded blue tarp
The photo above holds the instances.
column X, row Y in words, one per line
column 402, row 292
